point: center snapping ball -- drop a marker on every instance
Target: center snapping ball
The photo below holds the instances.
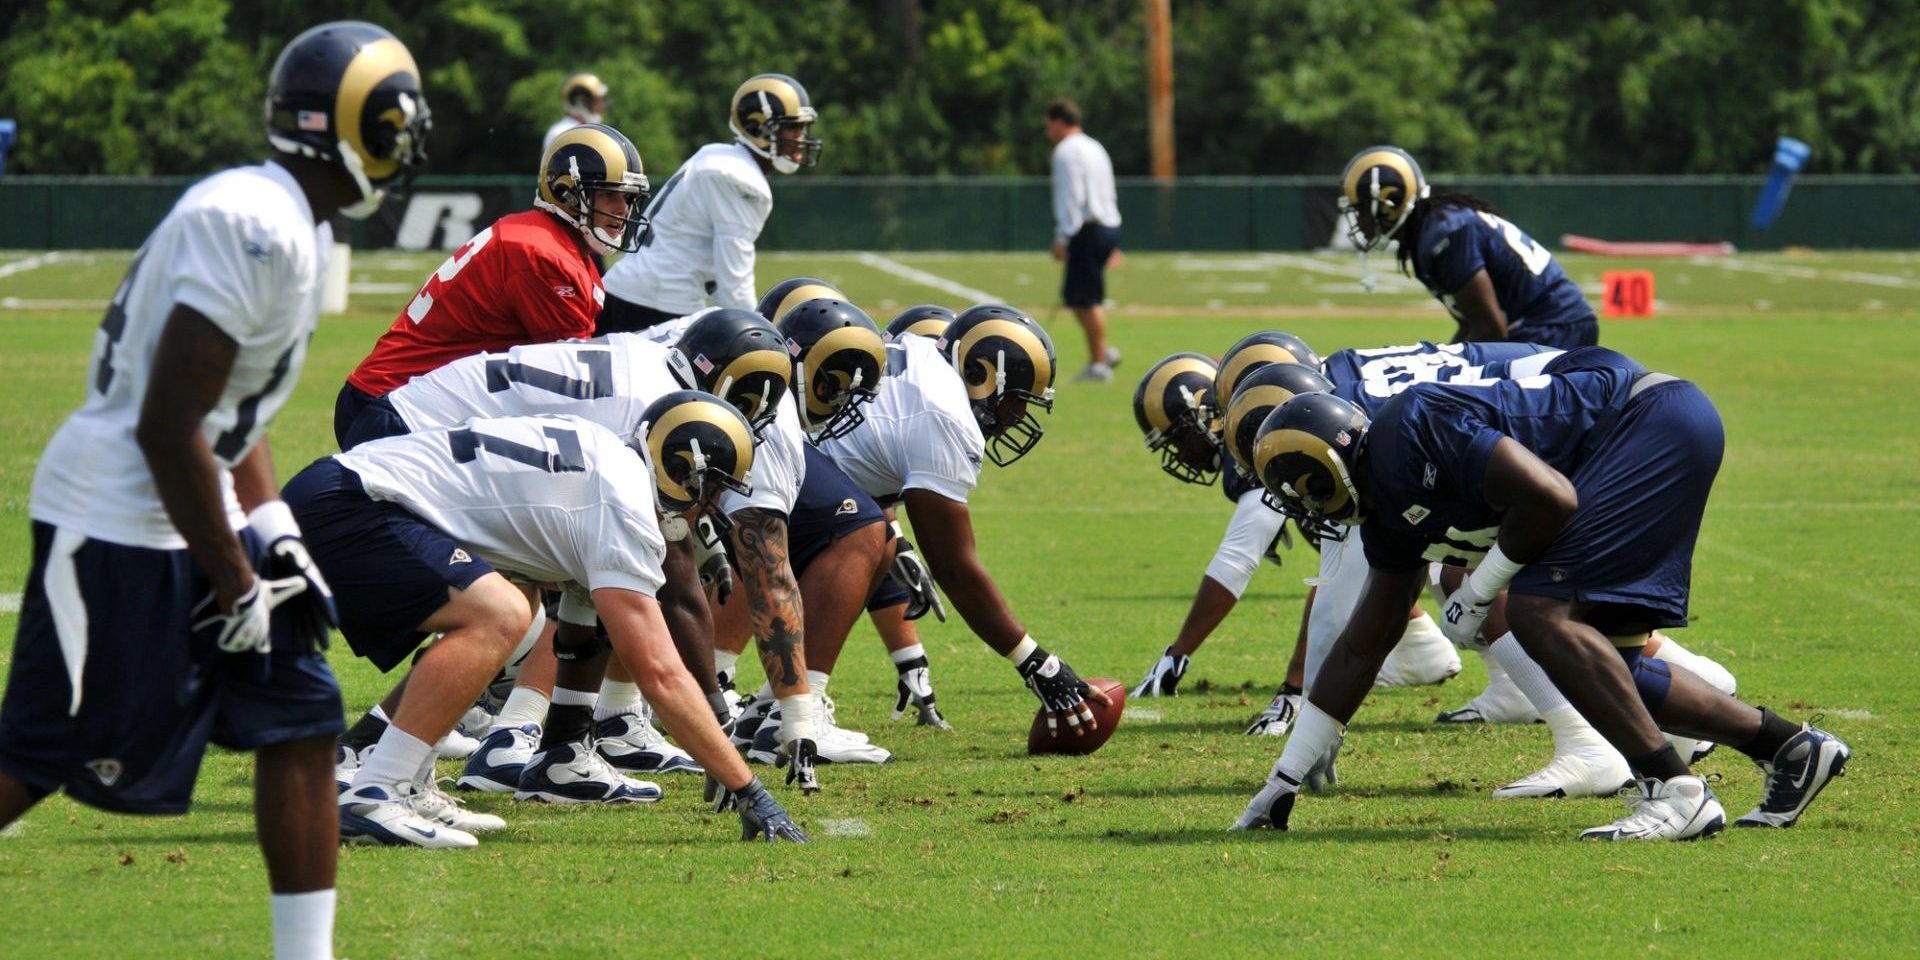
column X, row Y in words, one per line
column 1042, row 740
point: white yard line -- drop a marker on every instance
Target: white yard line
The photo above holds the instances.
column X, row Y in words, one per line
column 848, row 827
column 33, row 263
column 923, row 278
column 16, row 303
column 1803, row 272
column 9, row 603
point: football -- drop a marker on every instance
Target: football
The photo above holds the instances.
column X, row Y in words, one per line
column 1041, row 740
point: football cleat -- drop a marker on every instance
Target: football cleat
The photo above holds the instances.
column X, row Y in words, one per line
column 1691, row 750
column 478, row 721
column 576, row 773
column 829, row 727
column 503, row 755
column 383, row 814
column 1423, row 657
column 1595, row 771
column 1277, row 719
column 629, row 742
column 833, row 745
column 753, row 713
column 1680, row 808
column 433, row 803
column 1800, row 769
column 346, row 763
column 456, row 745
column 1500, row 702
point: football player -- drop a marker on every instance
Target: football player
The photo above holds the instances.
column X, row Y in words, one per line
column 1580, row 494
column 422, row 533
column 943, row 406
column 699, row 243
column 527, row 278
column 170, row 599
column 584, row 98
column 1497, row 282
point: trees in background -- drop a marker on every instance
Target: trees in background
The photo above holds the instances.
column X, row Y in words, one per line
column 956, row 86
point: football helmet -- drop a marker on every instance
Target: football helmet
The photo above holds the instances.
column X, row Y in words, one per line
column 926, row 320
column 349, row 93
column 765, row 106
column 1174, row 407
column 698, row 446
column 838, row 358
column 580, row 92
column 792, row 292
column 582, row 163
column 1007, row 361
column 1380, row 188
column 1256, row 350
column 1304, row 456
column 1256, row 396
column 737, row 357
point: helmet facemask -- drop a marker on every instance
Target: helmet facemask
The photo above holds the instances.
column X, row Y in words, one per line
column 581, row 206
column 1190, row 451
column 845, row 402
column 1006, row 418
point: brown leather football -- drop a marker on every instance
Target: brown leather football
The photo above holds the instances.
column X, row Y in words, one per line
column 1041, row 740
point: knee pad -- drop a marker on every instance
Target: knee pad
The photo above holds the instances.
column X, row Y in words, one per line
column 1651, row 678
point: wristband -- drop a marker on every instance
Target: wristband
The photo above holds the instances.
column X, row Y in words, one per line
column 273, row 520
column 1492, row 575
column 1022, row 650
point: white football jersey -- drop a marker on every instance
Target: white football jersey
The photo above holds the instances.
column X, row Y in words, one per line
column 920, row 431
column 704, row 222
column 609, row 380
column 551, row 499
column 241, row 248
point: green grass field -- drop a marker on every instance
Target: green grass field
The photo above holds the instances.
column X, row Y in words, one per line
column 967, row 847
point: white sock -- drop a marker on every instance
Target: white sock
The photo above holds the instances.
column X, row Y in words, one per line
column 524, row 705
column 908, row 654
column 616, row 698
column 724, row 661
column 1571, row 731
column 799, row 718
column 1528, row 675
column 303, row 925
column 397, row 758
column 562, row 697
column 1706, row 668
column 1315, row 735
column 817, row 682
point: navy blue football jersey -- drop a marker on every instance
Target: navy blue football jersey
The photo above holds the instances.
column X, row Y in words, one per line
column 1389, row 370
column 1427, row 452
column 1455, row 243
column 1233, row 483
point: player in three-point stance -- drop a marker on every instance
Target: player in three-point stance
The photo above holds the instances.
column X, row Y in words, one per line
column 171, row 601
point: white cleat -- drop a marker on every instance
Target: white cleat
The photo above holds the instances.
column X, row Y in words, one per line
column 383, row 814
column 1423, row 657
column 456, row 745
column 346, row 763
column 629, row 742
column 433, row 803
column 503, row 755
column 829, row 727
column 1500, row 702
column 835, row 746
column 1682, row 808
column 1598, row 771
column 575, row 773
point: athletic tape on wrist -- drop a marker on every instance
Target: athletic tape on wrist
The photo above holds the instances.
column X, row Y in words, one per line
column 1022, row 650
column 1492, row 575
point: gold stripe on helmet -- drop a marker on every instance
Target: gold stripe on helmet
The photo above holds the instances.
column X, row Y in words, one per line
column 777, row 88
column 1288, row 442
column 1266, row 395
column 1240, row 363
column 612, row 155
column 373, row 64
column 692, row 412
column 593, row 85
column 1156, row 392
column 762, row 360
column 836, row 341
column 1357, row 168
column 801, row 294
column 1022, row 338
column 929, row 327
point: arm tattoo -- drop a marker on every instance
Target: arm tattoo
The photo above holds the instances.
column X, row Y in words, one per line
column 773, row 596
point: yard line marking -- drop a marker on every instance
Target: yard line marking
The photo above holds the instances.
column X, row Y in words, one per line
column 1854, row 714
column 1144, row 716
column 1801, row 272
column 1786, row 571
column 847, row 827
column 16, row 303
column 382, row 288
column 10, row 602
column 923, row 278
column 33, row 263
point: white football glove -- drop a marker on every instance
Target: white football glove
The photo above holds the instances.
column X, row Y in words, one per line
column 915, row 691
column 1272, row 806
column 1463, row 615
column 1277, row 718
column 248, row 628
column 911, row 572
column 1164, row 676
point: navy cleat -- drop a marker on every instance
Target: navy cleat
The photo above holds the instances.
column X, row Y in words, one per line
column 629, row 742
column 1800, row 770
column 575, row 773
column 384, row 814
column 503, row 755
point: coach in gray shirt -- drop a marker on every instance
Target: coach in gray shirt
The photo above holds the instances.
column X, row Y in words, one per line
column 1086, row 232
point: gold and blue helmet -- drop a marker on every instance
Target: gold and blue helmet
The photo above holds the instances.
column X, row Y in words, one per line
column 924, row 320
column 583, row 94
column 580, row 165
column 349, row 93
column 838, row 359
column 1256, row 396
column 1174, row 407
column 1007, row 361
column 738, row 357
column 1304, row 455
column 1256, row 350
column 792, row 292
column 765, row 108
column 1380, row 188
column 698, row 446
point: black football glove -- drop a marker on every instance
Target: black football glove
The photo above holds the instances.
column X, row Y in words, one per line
column 910, row 571
column 760, row 814
column 1061, row 691
column 798, row 757
column 915, row 689
column 710, row 553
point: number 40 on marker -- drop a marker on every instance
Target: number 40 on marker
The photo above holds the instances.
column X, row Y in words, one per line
column 1628, row 293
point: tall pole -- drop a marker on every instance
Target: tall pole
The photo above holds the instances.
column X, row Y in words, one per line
column 1160, row 86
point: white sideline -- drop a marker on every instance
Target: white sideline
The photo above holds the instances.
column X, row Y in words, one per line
column 923, row 278
column 1804, row 272
column 32, row 263
column 10, row 602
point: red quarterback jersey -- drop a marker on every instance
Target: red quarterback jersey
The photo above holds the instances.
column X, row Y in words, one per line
column 525, row 279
